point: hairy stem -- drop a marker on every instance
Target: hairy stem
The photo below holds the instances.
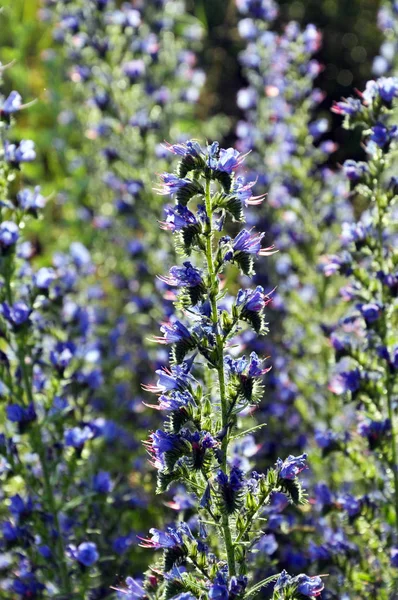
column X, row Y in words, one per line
column 390, row 411
column 214, row 290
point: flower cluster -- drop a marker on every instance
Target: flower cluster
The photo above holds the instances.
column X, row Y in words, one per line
column 205, row 393
column 364, row 338
column 60, row 490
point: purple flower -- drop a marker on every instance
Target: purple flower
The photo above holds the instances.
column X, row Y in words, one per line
column 61, row 356
column 163, row 539
column 218, row 592
column 134, row 69
column 252, row 300
column 250, row 244
column 350, row 504
column 173, row 333
column 176, row 378
column 18, row 153
column 374, row 430
column 31, row 200
column 191, row 148
column 388, row 88
column 87, row 554
column 350, row 106
column 243, row 191
column 161, row 442
column 323, row 494
column 309, row 586
column 9, row 233
column 17, row 314
column 174, row 401
column 177, row 218
column 77, row 436
column 394, row 557
column 247, row 98
column 81, row 256
column 380, row 135
column 187, row 275
column 12, row 103
column 102, row 482
column 346, row 381
column 172, row 183
column 355, row 171
column 19, row 414
column 303, row 584
column 229, row 160
column 135, row 588
column 44, row 278
column 292, row 466
column 259, row 9
column 370, row 312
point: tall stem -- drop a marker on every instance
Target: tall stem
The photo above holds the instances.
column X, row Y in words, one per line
column 48, row 490
column 214, row 290
column 389, row 383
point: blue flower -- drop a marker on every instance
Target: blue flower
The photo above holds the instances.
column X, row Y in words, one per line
column 309, row 586
column 243, row 191
column 371, row 312
column 102, row 482
column 173, row 333
column 135, row 588
column 18, row 153
column 161, row 442
column 44, row 278
column 31, row 200
column 20, row 508
column 178, row 217
column 19, row 414
column 191, row 148
column 187, row 275
column 252, row 300
column 250, row 244
column 346, row 381
column 77, row 436
column 163, row 539
column 62, row 355
column 380, row 135
column 87, row 554
column 259, row 9
column 291, row 466
column 355, row 171
column 218, row 592
column 350, row 106
column 12, row 103
column 134, row 69
column 303, row 584
column 172, row 183
column 9, row 233
column 394, row 557
column 387, row 88
column 17, row 314
column 229, row 160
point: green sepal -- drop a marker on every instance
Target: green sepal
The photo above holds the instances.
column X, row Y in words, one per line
column 190, row 163
column 174, row 557
column 224, row 178
column 245, row 262
column 293, row 490
column 184, row 194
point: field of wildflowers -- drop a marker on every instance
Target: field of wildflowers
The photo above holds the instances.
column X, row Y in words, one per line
column 198, row 300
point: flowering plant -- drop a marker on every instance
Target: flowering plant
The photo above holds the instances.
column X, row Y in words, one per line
column 206, row 391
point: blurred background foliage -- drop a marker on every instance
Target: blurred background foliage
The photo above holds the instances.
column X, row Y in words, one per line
column 351, row 41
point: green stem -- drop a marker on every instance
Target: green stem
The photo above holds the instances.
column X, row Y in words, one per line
column 48, row 490
column 391, row 416
column 214, row 290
